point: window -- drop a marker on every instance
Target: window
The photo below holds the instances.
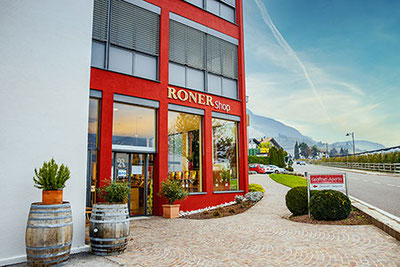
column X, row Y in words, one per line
column 134, row 128
column 130, row 39
column 202, row 62
column 222, row 8
column 184, row 149
column 93, row 137
column 225, row 154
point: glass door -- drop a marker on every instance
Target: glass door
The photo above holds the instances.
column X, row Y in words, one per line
column 137, row 169
column 137, row 184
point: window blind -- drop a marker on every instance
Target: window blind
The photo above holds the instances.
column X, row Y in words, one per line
column 134, row 27
column 186, row 45
column 100, row 17
column 222, row 57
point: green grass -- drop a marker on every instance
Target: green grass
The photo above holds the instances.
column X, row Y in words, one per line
column 289, row 180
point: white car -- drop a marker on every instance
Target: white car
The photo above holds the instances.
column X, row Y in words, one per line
column 275, row 169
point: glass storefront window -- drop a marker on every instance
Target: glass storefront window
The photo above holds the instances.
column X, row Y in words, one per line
column 225, row 155
column 93, row 136
column 184, row 150
column 134, row 127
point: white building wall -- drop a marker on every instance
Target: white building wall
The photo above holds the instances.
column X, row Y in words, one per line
column 45, row 51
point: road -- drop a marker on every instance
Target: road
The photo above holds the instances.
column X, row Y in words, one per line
column 379, row 190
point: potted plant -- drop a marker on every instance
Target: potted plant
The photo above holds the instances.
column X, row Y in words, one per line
column 173, row 191
column 49, row 228
column 109, row 222
column 51, row 180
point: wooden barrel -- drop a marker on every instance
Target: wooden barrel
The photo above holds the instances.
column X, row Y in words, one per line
column 109, row 229
column 49, row 234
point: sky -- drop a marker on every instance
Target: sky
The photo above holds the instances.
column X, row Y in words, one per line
column 326, row 67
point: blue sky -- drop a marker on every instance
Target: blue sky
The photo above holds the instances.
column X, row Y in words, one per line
column 326, row 67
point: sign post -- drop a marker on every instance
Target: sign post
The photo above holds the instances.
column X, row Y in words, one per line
column 336, row 181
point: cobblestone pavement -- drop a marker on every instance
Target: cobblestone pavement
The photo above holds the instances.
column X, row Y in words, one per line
column 257, row 237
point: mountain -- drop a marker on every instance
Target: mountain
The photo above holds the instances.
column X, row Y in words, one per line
column 361, row 146
column 287, row 136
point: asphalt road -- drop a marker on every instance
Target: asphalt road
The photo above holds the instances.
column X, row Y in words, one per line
column 379, row 190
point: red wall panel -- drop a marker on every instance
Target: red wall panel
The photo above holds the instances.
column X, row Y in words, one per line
column 110, row 83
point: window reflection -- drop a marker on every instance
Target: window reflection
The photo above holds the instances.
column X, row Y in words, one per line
column 184, row 150
column 93, row 135
column 133, row 126
column 225, row 165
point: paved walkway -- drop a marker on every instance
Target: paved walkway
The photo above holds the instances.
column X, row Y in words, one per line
column 257, row 237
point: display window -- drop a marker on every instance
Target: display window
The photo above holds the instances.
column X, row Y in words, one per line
column 93, row 137
column 225, row 155
column 184, row 149
column 134, row 128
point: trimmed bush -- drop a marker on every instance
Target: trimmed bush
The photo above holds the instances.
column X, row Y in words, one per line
column 296, row 200
column 330, row 205
column 256, row 188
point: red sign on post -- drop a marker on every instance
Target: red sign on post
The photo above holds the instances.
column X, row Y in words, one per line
column 327, row 181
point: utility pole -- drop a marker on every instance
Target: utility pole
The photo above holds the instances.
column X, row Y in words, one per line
column 354, row 146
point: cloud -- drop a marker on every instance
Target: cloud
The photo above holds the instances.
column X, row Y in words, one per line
column 285, row 46
column 278, row 88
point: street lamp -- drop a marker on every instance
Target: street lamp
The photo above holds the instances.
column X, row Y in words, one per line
column 354, row 146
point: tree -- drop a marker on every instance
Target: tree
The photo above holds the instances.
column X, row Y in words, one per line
column 296, row 151
column 333, row 152
column 305, row 151
column 277, row 157
column 314, row 151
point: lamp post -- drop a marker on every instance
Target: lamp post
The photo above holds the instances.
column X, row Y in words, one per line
column 354, row 146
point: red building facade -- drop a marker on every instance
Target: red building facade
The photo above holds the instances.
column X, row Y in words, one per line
column 168, row 100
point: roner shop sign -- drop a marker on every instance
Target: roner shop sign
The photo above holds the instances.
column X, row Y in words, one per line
column 197, row 98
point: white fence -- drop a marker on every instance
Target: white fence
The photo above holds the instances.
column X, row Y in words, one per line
column 381, row 167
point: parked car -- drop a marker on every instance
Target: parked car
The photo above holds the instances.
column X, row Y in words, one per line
column 276, row 169
column 300, row 163
column 258, row 168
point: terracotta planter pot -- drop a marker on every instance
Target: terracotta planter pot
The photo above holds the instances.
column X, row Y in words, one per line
column 171, row 211
column 50, row 197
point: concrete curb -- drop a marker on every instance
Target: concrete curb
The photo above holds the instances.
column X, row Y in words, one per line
column 381, row 219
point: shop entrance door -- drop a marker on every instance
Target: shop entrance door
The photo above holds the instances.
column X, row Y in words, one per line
column 137, row 170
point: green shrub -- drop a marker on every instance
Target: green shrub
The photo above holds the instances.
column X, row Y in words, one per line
column 173, row 191
column 256, row 188
column 50, row 177
column 289, row 168
column 297, row 200
column 259, row 160
column 330, row 205
column 114, row 192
